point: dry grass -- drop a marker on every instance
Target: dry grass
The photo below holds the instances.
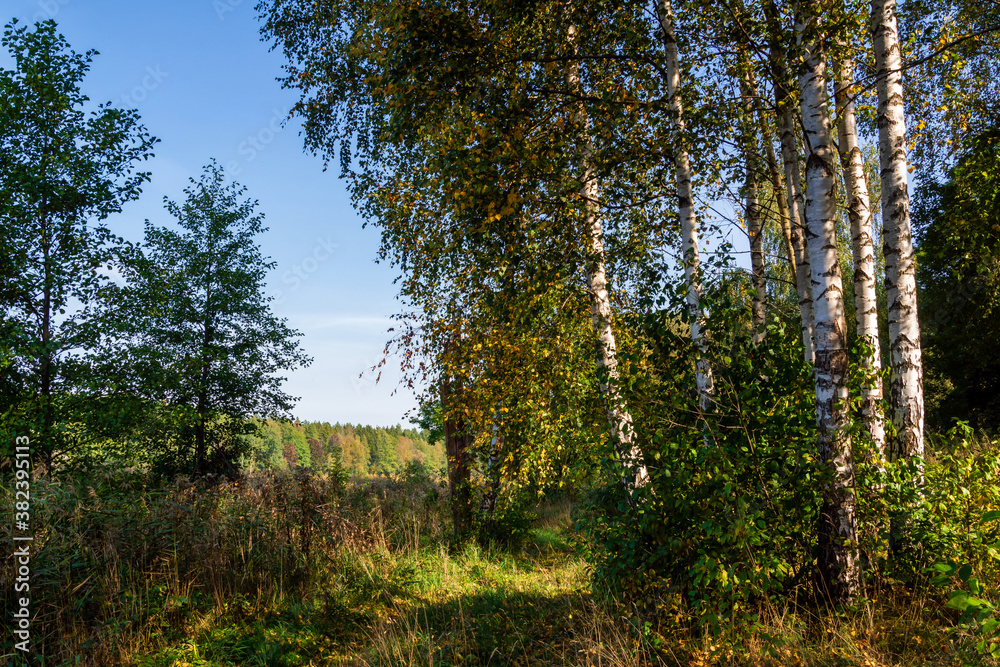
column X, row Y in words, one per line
column 299, row 570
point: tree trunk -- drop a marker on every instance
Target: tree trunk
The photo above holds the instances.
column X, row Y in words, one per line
column 488, row 503
column 784, row 218
column 752, row 213
column 202, row 407
column 863, row 247
column 906, row 396
column 199, row 439
column 755, row 228
column 619, row 417
column 790, row 157
column 45, row 365
column 685, row 205
column 838, row 557
column 456, row 445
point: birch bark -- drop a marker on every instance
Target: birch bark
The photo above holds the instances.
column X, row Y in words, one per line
column 754, row 219
column 755, row 229
column 685, row 205
column 906, row 396
column 618, row 414
column 778, row 56
column 863, row 248
column 772, row 169
column 838, row 557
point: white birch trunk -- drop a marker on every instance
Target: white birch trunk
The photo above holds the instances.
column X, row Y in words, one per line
column 906, row 395
column 755, row 229
column 838, row 557
column 619, row 417
column 796, row 213
column 863, row 247
column 752, row 214
column 772, row 168
column 790, row 158
column 685, row 204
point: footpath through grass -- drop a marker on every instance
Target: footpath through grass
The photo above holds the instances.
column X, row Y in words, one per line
column 533, row 606
column 425, row 606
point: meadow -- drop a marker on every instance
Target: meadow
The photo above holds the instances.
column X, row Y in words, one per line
column 300, row 568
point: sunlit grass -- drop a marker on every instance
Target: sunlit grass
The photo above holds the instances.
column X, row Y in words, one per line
column 227, row 575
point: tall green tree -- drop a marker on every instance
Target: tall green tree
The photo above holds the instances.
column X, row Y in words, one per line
column 205, row 341
column 959, row 278
column 294, row 442
column 63, row 171
column 383, row 452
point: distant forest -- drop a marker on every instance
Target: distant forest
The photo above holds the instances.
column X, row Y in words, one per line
column 356, row 449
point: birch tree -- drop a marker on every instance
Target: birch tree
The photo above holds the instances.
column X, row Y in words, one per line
column 766, row 129
column 863, row 250
column 752, row 212
column 685, row 203
column 607, row 350
column 204, row 338
column 784, row 103
column 906, row 398
column 63, row 171
column 838, row 557
column 755, row 231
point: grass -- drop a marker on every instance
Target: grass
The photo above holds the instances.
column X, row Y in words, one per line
column 424, row 606
column 296, row 570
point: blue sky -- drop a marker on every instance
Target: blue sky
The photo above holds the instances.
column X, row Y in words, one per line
column 204, row 84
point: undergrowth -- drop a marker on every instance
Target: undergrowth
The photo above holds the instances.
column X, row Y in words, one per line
column 304, row 569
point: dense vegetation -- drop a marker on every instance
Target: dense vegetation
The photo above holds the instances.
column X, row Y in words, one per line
column 294, row 568
column 634, row 446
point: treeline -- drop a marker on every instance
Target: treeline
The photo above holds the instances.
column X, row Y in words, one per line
column 356, row 449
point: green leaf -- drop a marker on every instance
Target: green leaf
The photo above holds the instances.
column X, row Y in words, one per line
column 944, row 568
column 959, row 600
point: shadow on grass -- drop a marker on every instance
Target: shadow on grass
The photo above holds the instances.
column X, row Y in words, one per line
column 332, row 623
column 495, row 626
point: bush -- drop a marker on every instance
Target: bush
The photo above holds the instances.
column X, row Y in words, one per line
column 730, row 512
